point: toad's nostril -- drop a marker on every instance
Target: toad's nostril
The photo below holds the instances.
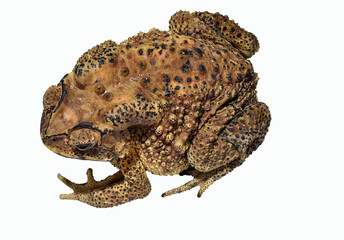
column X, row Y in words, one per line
column 84, row 147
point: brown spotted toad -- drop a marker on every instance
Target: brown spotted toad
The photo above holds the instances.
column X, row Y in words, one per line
column 181, row 101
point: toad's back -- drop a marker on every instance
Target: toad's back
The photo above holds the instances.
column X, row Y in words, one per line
column 193, row 78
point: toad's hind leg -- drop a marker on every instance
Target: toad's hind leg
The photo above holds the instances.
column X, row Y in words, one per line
column 215, row 27
column 202, row 179
column 216, row 149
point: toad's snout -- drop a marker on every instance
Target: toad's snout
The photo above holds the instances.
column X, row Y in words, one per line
column 51, row 100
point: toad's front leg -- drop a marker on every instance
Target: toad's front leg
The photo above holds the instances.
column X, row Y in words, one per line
column 129, row 183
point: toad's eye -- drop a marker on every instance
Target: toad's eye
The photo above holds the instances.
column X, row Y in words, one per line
column 83, row 139
column 85, row 146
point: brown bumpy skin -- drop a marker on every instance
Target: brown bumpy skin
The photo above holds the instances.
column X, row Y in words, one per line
column 181, row 101
column 215, row 27
column 129, row 183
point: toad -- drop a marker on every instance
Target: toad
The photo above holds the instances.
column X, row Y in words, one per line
column 181, row 101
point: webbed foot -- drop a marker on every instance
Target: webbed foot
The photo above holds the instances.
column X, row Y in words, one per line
column 201, row 179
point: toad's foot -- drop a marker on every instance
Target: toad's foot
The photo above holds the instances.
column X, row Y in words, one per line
column 129, row 183
column 90, row 186
column 202, row 179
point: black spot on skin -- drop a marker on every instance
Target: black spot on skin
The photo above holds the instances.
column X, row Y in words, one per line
column 79, row 72
column 199, row 51
column 128, row 46
column 224, row 28
column 146, row 80
column 184, row 52
column 166, row 79
column 177, row 88
column 186, row 68
column 239, row 35
column 140, row 51
column 101, row 61
column 239, row 76
column 167, row 92
column 238, row 56
column 248, row 72
column 172, row 49
column 216, row 69
column 195, row 86
column 139, row 96
column 150, row 51
column 163, row 46
column 232, row 29
column 213, row 76
column 188, row 79
column 201, row 67
column 178, row 79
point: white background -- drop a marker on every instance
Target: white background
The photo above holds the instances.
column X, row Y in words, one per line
column 291, row 188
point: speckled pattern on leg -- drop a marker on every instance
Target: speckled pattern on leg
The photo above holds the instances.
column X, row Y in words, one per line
column 215, row 27
column 128, row 184
column 219, row 149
